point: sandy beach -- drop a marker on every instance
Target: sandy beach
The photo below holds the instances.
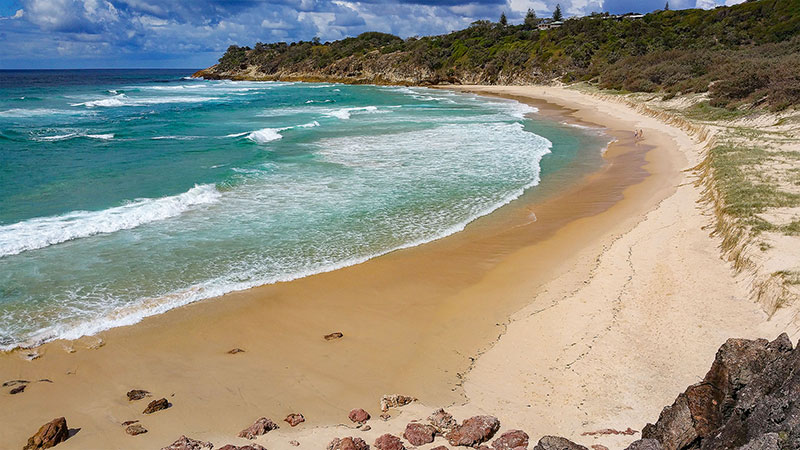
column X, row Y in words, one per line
column 567, row 311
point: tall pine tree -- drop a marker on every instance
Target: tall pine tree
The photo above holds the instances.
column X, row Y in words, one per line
column 557, row 16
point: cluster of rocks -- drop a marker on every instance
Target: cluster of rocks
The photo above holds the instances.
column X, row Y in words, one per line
column 748, row 400
column 19, row 386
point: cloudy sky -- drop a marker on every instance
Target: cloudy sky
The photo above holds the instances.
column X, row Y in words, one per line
column 193, row 33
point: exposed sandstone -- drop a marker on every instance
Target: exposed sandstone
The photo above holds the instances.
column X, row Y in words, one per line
column 418, row 434
column 394, row 401
column 135, row 429
column 389, row 442
column 156, row 405
column 511, row 440
column 259, row 427
column 557, row 443
column 294, row 419
column 137, row 394
column 473, row 431
column 185, row 443
column 358, row 415
column 348, row 443
column 49, row 435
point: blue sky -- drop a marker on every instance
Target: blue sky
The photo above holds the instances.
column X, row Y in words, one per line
column 193, row 33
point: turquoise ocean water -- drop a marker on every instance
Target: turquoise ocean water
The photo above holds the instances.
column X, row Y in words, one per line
column 127, row 193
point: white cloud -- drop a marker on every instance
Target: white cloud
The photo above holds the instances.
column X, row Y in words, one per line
column 706, row 4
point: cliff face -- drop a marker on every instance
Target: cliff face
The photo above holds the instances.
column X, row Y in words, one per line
column 370, row 68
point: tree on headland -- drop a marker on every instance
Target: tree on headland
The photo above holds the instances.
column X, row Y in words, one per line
column 530, row 19
column 503, row 21
column 666, row 7
column 557, row 16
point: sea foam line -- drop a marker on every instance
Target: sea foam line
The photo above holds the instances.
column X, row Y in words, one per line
column 265, row 135
column 217, row 287
column 43, row 232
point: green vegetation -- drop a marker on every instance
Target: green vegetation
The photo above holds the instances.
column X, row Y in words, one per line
column 744, row 54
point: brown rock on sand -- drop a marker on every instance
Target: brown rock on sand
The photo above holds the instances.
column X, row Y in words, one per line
column 156, row 405
column 135, row 429
column 389, row 442
column 442, row 421
column 557, row 443
column 234, row 351
column 441, row 447
column 49, row 435
column 259, row 427
column 18, row 389
column 185, row 443
column 244, row 447
column 419, row 434
column 473, row 431
column 358, row 415
column 137, row 394
column 348, row 443
column 332, row 336
column 294, row 419
column 511, row 439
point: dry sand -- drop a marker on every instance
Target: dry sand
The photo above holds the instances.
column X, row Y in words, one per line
column 617, row 297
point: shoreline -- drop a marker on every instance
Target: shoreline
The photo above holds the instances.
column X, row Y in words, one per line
column 415, row 338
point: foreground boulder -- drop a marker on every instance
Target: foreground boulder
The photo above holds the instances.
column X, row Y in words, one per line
column 49, row 435
column 259, row 427
column 389, row 442
column 749, row 398
column 645, row 444
column 511, row 440
column 348, row 443
column 473, row 431
column 557, row 443
column 442, row 421
column 185, row 443
column 419, row 434
column 156, row 405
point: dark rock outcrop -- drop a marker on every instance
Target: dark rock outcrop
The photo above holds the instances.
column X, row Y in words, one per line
column 645, row 444
column 156, row 405
column 389, row 442
column 49, row 435
column 137, row 394
column 418, row 433
column 358, row 415
column 348, row 443
column 557, row 443
column 294, row 419
column 18, row 390
column 473, row 431
column 751, row 391
column 185, row 443
column 259, row 427
column 511, row 440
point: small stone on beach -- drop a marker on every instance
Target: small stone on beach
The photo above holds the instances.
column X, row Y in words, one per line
column 259, row 427
column 185, row 443
column 18, row 389
column 332, row 336
column 235, row 351
column 389, row 442
column 137, row 394
column 49, row 435
column 358, row 415
column 156, row 405
column 294, row 419
column 135, row 429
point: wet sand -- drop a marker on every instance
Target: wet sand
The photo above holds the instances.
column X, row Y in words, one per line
column 413, row 320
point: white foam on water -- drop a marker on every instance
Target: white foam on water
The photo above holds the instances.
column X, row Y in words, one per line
column 63, row 137
column 265, row 135
column 38, row 112
column 41, row 232
column 345, row 113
